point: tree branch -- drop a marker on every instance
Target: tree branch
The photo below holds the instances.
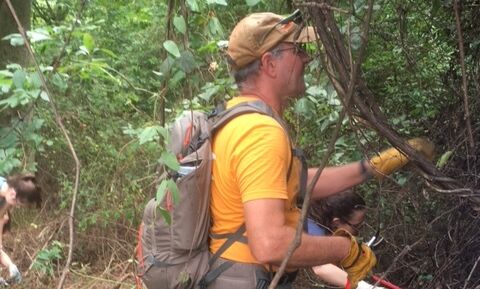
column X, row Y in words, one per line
column 466, row 118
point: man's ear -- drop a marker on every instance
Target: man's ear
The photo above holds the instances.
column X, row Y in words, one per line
column 268, row 65
column 336, row 222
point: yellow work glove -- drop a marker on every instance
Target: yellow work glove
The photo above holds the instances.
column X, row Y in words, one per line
column 360, row 259
column 392, row 159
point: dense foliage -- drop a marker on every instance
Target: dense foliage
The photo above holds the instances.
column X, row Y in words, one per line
column 117, row 71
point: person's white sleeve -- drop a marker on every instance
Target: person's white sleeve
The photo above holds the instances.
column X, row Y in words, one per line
column 365, row 285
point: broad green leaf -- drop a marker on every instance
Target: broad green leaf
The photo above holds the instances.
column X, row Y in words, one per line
column 6, row 73
column 34, row 93
column 59, row 82
column 88, row 41
column 179, row 23
column 169, row 159
column 172, row 187
column 193, row 5
column 166, row 215
column 161, row 191
column 35, row 80
column 215, row 27
column 317, row 90
column 219, row 2
column 304, row 107
column 252, row 2
column 444, row 159
column 172, row 48
column 16, row 39
column 209, row 90
column 148, row 134
column 38, row 35
column 18, row 78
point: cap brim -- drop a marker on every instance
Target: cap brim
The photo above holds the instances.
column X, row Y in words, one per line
column 305, row 36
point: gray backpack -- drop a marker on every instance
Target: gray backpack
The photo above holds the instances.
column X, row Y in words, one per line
column 177, row 255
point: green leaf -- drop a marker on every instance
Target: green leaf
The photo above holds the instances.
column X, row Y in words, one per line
column 161, row 191
column 252, row 2
column 18, row 78
column 148, row 134
column 38, row 35
column 215, row 27
column 193, row 5
column 44, row 96
column 209, row 90
column 16, row 39
column 59, row 82
column 166, row 215
column 219, row 2
column 444, row 159
column 169, row 159
column 35, row 80
column 179, row 23
column 172, row 187
column 172, row 48
column 88, row 41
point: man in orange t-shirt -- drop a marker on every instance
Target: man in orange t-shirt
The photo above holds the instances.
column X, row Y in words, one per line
column 255, row 178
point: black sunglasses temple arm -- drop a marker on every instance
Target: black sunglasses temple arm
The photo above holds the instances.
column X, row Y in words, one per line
column 292, row 17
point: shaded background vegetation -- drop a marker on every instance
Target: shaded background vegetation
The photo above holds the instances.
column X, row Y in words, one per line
column 119, row 70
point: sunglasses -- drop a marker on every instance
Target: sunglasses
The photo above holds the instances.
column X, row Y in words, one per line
column 295, row 17
column 357, row 227
column 298, row 49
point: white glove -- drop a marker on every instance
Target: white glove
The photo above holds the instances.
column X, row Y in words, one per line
column 365, row 285
column 14, row 273
column 3, row 283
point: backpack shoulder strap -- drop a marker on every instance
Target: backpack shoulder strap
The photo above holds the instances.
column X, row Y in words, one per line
column 222, row 117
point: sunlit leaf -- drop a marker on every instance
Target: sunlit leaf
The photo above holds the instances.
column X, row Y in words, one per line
column 179, row 23
column 172, row 48
column 38, row 35
column 161, row 191
column 193, row 5
column 88, row 41
column 252, row 2
column 444, row 159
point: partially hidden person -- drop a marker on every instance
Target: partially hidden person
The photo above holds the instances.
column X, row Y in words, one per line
column 346, row 210
column 15, row 191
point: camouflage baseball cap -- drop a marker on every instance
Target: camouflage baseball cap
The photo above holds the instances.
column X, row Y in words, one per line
column 259, row 32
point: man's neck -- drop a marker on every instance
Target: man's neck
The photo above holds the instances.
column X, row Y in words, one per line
column 269, row 99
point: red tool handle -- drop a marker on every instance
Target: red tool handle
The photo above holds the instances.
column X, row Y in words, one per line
column 384, row 283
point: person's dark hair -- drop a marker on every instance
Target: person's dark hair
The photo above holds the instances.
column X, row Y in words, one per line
column 341, row 205
column 27, row 188
column 242, row 74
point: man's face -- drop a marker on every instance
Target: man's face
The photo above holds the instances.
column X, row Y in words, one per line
column 292, row 64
